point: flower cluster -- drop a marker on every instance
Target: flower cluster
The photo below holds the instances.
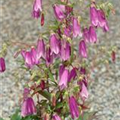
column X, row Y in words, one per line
column 62, row 83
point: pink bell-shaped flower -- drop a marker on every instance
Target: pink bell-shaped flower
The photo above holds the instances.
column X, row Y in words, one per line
column 63, row 77
column 82, row 49
column 37, row 8
column 92, row 34
column 54, row 44
column 28, row 107
column 40, row 49
column 65, row 51
column 102, row 20
column 27, row 55
column 59, row 11
column 94, row 16
column 73, row 106
column 83, row 92
column 76, row 28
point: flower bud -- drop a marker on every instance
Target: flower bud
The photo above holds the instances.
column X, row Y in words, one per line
column 2, row 65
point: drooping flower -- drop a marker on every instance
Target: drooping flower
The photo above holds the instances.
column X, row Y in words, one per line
column 2, row 65
column 102, row 20
column 54, row 44
column 28, row 107
column 98, row 18
column 94, row 16
column 59, row 11
column 72, row 74
column 82, row 49
column 86, row 35
column 37, row 8
column 65, row 51
column 76, row 28
column 73, row 106
column 92, row 35
column 63, row 78
column 35, row 59
column 56, row 117
column 30, row 57
column 27, row 55
column 40, row 49
column 84, row 91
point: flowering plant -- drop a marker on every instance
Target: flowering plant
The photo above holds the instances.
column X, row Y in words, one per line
column 59, row 64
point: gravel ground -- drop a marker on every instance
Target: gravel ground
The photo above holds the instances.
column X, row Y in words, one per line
column 16, row 24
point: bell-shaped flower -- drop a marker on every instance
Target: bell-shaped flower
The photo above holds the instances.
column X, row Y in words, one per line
column 86, row 35
column 35, row 59
column 92, row 35
column 40, row 49
column 2, row 65
column 65, row 51
column 28, row 107
column 59, row 11
column 83, row 92
column 63, row 78
column 94, row 16
column 76, row 28
column 56, row 117
column 37, row 8
column 72, row 74
column 27, row 55
column 82, row 49
column 102, row 20
column 54, row 44
column 73, row 106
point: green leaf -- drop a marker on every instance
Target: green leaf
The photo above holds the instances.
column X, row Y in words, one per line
column 1, row 118
column 45, row 94
column 16, row 116
column 50, row 76
column 87, row 116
